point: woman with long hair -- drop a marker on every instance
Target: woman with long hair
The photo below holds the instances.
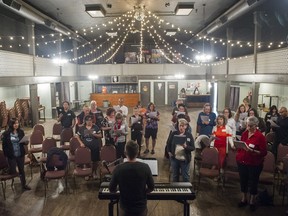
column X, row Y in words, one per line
column 14, row 150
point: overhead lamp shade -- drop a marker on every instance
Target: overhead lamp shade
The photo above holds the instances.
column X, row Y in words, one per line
column 184, row 9
column 95, row 10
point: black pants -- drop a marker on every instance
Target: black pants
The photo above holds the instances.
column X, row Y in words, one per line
column 137, row 136
column 120, row 149
column 19, row 162
column 249, row 175
column 124, row 213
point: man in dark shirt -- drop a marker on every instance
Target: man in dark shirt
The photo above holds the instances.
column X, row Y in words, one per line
column 281, row 132
column 135, row 181
column 67, row 116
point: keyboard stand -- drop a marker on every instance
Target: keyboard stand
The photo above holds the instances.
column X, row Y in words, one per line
column 111, row 207
column 186, row 207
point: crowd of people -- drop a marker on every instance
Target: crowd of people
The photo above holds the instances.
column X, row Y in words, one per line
column 91, row 126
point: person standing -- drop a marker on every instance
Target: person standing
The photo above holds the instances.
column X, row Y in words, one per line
column 180, row 153
column 90, row 135
column 96, row 113
column 135, row 181
column 136, row 125
column 240, row 117
column 122, row 108
column 206, row 120
column 14, row 151
column 230, row 121
column 272, row 115
column 119, row 132
column 250, row 161
column 81, row 117
column 107, row 124
column 151, row 129
column 67, row 117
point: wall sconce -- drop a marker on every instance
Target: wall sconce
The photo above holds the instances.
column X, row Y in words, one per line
column 184, row 9
column 95, row 10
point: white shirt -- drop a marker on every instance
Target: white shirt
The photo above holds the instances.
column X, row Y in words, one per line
column 232, row 124
column 124, row 110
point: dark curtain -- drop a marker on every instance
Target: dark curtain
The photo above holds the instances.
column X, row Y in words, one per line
column 234, row 98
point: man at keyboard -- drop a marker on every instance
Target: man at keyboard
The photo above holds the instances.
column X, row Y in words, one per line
column 135, row 181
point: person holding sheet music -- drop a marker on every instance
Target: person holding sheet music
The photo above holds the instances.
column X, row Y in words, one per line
column 81, row 117
column 90, row 135
column 134, row 180
column 119, row 132
column 67, row 116
column 179, row 146
column 206, row 120
column 106, row 125
column 272, row 115
column 122, row 108
column 180, row 113
column 230, row 120
column 14, row 150
column 281, row 132
column 223, row 136
column 151, row 129
column 250, row 160
column 240, row 117
column 96, row 113
column 136, row 125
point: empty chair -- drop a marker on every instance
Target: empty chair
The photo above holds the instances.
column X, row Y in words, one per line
column 74, row 144
column 231, row 167
column 107, row 155
column 282, row 151
column 39, row 127
column 83, row 163
column 4, row 174
column 56, row 131
column 65, row 136
column 209, row 164
column 36, row 140
column 267, row 175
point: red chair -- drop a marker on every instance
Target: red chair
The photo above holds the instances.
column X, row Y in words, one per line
column 209, row 164
column 56, row 131
column 47, row 144
column 231, row 167
column 36, row 140
column 83, row 163
column 74, row 144
column 39, row 127
column 107, row 155
column 65, row 136
column 5, row 176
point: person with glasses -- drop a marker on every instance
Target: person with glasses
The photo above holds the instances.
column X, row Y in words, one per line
column 281, row 132
column 250, row 161
column 230, row 120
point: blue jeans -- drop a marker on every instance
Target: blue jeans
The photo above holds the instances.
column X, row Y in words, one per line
column 176, row 166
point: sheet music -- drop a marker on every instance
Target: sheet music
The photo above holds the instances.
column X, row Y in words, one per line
column 25, row 139
column 274, row 118
column 240, row 144
column 151, row 162
column 152, row 114
column 172, row 128
column 116, row 108
column 134, row 120
column 242, row 116
column 204, row 118
column 273, row 124
column 179, row 139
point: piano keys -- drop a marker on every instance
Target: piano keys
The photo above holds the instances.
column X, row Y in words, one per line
column 178, row 191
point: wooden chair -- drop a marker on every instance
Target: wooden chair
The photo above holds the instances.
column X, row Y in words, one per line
column 5, row 176
column 267, row 175
column 83, row 163
column 270, row 140
column 209, row 166
column 107, row 155
column 282, row 151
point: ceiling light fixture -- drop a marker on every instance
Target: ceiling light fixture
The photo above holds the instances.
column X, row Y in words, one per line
column 171, row 32
column 184, row 9
column 111, row 33
column 95, row 10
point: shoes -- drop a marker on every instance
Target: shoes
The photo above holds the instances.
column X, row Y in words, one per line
column 242, row 204
column 152, row 152
column 26, row 187
column 146, row 151
column 252, row 207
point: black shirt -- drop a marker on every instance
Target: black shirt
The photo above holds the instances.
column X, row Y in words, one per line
column 67, row 119
column 132, row 178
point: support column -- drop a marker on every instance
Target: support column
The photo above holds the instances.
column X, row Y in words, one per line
column 257, row 37
column 229, row 35
column 53, row 99
column 227, row 93
column 31, row 41
column 34, row 103
column 255, row 93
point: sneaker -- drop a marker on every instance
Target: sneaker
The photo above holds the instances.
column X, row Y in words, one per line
column 146, row 151
column 152, row 152
column 26, row 187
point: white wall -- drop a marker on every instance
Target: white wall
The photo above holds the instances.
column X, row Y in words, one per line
column 273, row 90
column 84, row 90
column 44, row 93
column 10, row 94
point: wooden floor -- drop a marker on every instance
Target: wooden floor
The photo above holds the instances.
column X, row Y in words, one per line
column 84, row 200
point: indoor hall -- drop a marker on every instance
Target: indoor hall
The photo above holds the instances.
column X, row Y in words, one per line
column 210, row 199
